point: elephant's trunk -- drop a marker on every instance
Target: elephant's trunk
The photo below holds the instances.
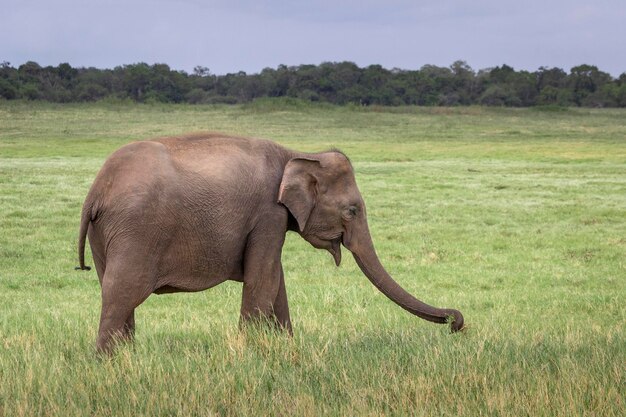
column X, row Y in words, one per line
column 364, row 253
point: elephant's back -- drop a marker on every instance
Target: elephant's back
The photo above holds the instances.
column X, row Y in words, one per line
column 219, row 156
column 132, row 170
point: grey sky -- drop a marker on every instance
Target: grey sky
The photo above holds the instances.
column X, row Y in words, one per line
column 228, row 36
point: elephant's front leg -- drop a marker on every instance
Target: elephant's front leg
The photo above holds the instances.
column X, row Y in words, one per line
column 264, row 295
column 281, row 307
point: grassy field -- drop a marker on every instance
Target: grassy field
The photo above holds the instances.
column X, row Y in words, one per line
column 517, row 217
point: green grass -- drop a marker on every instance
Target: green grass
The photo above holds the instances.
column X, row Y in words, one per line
column 517, row 217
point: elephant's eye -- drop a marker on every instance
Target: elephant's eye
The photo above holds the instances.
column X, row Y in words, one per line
column 350, row 212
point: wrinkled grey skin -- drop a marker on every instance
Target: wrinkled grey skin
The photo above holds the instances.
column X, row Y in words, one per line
column 187, row 213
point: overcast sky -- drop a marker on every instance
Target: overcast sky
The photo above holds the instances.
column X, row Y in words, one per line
column 228, row 36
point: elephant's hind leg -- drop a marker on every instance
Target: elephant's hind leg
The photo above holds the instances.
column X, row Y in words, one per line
column 129, row 327
column 121, row 294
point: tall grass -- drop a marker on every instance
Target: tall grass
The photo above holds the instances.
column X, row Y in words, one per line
column 517, row 217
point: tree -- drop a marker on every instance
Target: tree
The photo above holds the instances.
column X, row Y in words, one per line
column 499, row 95
column 7, row 89
column 586, row 80
column 464, row 83
column 200, row 71
column 553, row 77
column 136, row 80
column 333, row 82
column 9, row 83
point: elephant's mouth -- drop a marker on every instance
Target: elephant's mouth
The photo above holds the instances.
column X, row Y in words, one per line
column 335, row 250
column 332, row 245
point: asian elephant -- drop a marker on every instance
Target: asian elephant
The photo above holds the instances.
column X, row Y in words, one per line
column 186, row 213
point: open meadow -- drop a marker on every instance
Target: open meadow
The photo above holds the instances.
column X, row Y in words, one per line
column 516, row 217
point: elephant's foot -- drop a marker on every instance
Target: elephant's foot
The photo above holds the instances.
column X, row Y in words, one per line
column 111, row 333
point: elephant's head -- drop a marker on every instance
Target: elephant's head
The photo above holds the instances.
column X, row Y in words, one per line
column 321, row 193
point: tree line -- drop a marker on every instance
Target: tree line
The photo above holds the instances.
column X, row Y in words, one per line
column 331, row 82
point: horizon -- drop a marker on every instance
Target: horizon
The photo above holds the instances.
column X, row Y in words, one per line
column 248, row 36
column 172, row 68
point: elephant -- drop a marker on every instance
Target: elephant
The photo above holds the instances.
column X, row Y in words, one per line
column 186, row 213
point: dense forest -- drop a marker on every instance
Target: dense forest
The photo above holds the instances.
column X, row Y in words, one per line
column 331, row 82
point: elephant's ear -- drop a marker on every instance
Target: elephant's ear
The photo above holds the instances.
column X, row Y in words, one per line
column 298, row 188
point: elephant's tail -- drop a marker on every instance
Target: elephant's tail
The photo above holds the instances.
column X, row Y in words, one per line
column 85, row 219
